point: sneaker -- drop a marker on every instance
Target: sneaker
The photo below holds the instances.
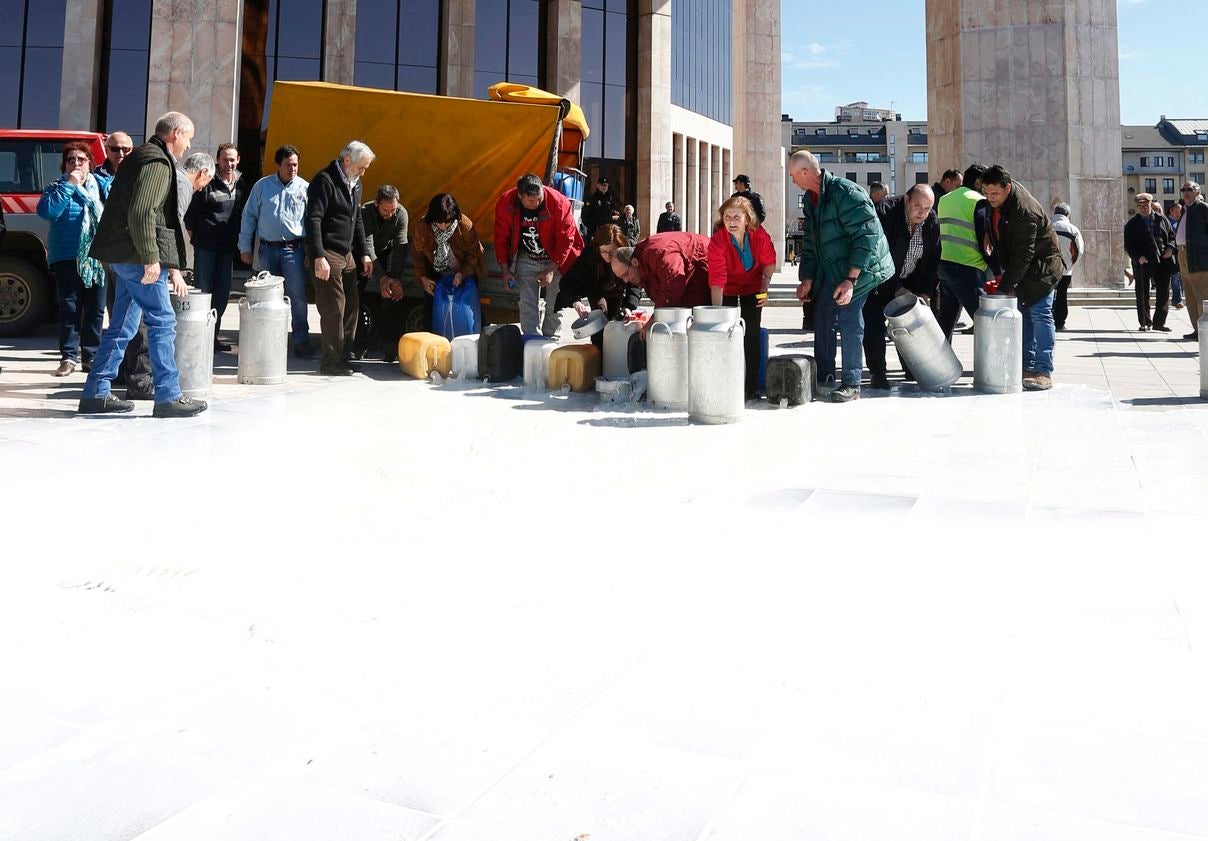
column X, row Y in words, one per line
column 104, row 405
column 1037, row 382
column 1178, row 306
column 140, row 392
column 879, row 384
column 1144, row 328
column 182, row 407
column 845, row 393
column 1192, row 337
column 66, row 369
column 303, row 350
column 335, row 370
column 1162, row 329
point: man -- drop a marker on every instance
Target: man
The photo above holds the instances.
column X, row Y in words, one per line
column 386, row 225
column 962, row 214
column 335, row 245
column 144, row 241
column 844, row 256
column 669, row 220
column 1023, row 241
column 212, row 221
column 673, row 267
column 949, row 181
column 599, row 209
column 273, row 212
column 913, row 234
column 742, row 187
column 117, row 146
column 877, row 192
column 1070, row 240
column 630, row 226
column 1149, row 242
column 536, row 241
column 1192, row 240
column 1175, row 215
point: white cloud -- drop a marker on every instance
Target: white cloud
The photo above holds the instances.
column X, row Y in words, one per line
column 814, row 55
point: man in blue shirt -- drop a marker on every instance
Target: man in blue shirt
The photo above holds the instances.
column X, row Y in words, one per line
column 274, row 210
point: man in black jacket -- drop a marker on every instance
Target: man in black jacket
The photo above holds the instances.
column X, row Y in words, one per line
column 1192, row 240
column 212, row 220
column 742, row 188
column 335, row 245
column 599, row 209
column 669, row 220
column 1149, row 242
column 913, row 234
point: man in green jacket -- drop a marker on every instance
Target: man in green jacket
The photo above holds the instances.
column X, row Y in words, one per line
column 844, row 256
column 141, row 236
column 1024, row 242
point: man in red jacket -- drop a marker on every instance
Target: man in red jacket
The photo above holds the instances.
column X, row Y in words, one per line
column 536, row 241
column 673, row 267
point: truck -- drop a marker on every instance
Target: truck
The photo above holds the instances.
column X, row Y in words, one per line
column 424, row 145
column 29, row 160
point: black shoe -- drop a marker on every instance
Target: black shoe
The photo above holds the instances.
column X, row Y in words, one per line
column 1144, row 328
column 390, row 354
column 303, row 350
column 1162, row 329
column 140, row 392
column 104, row 405
column 1192, row 337
column 221, row 346
column 86, row 366
column 1060, row 328
column 335, row 370
column 845, row 393
column 182, row 407
column 879, row 384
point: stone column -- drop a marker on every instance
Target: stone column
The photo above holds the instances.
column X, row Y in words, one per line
column 720, row 193
column 679, row 164
column 339, row 41
column 654, row 110
column 563, row 50
column 457, row 48
column 195, row 54
column 756, row 98
column 1034, row 87
column 692, row 186
column 707, row 205
column 82, row 68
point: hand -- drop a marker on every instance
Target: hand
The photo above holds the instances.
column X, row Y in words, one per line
column 1142, row 261
column 150, row 273
column 77, row 176
column 602, row 305
column 581, row 309
column 322, row 268
column 843, row 292
column 761, row 299
column 391, row 288
column 457, row 280
column 177, row 281
column 545, row 278
column 429, row 284
column 508, row 278
column 803, row 290
column 246, row 256
column 1167, row 254
column 366, row 267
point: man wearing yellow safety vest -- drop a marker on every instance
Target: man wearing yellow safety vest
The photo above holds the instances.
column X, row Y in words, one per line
column 963, row 262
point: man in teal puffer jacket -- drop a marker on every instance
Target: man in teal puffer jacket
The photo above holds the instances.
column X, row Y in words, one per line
column 844, row 256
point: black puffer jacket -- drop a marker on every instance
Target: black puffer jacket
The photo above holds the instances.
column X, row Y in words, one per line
column 1026, row 246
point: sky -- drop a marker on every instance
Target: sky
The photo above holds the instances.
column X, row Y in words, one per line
column 833, row 56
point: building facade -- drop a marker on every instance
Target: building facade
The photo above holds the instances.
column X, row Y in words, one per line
column 1159, row 158
column 665, row 126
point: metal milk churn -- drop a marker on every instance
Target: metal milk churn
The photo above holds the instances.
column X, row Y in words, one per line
column 264, row 318
column 918, row 337
column 667, row 358
column 998, row 345
column 194, row 350
column 716, row 365
column 616, row 348
column 1202, row 328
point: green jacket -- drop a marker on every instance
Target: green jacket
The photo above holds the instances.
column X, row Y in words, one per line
column 386, row 239
column 141, row 223
column 1026, row 246
column 840, row 233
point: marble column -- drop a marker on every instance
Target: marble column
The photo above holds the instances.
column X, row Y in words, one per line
column 720, row 193
column 692, row 186
column 457, row 48
column 339, row 41
column 679, row 165
column 756, row 97
column 195, row 53
column 1034, row 87
column 563, row 50
column 82, row 66
column 707, row 206
column 654, row 180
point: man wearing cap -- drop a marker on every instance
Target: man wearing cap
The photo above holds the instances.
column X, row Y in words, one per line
column 1070, row 240
column 599, row 209
column 1149, row 242
column 742, row 187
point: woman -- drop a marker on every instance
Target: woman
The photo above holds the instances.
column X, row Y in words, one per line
column 742, row 260
column 591, row 279
column 447, row 258
column 72, row 204
column 1176, row 280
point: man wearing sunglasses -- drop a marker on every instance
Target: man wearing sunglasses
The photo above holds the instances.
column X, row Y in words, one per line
column 1192, row 240
column 117, row 146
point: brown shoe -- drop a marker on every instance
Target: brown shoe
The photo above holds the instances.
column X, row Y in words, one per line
column 66, row 369
column 1037, row 382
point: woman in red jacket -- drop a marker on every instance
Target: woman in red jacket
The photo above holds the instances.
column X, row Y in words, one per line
column 741, row 262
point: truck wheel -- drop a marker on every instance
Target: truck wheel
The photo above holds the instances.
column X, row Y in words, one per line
column 24, row 297
column 418, row 317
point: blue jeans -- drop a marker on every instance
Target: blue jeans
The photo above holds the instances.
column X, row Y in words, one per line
column 960, row 286
column 848, row 320
column 1176, row 289
column 81, row 312
column 1039, row 335
column 289, row 262
column 150, row 302
column 212, row 271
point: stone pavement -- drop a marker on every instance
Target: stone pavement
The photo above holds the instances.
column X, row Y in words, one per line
column 375, row 608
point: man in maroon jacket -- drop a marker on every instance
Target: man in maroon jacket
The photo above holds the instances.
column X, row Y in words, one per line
column 536, row 241
column 673, row 267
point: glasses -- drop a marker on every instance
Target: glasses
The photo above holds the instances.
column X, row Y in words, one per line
column 121, row 150
column 1187, row 190
column 73, row 158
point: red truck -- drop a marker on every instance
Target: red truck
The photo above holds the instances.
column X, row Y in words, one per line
column 29, row 160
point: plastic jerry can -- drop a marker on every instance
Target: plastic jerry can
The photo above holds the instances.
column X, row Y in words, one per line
column 536, row 361
column 576, row 366
column 465, row 357
column 791, row 379
column 500, row 353
column 419, row 354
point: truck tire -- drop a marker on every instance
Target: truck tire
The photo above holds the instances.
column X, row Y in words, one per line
column 24, row 297
column 418, row 317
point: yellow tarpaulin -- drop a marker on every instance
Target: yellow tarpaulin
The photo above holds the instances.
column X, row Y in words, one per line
column 514, row 92
column 474, row 149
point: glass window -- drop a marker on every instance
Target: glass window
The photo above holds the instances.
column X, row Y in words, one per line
column 921, row 178
column 1167, row 185
column 31, row 62
column 1144, row 161
column 874, row 176
column 397, row 43
column 507, row 43
column 1197, row 177
column 1151, row 185
column 125, row 66
column 700, row 29
column 851, row 176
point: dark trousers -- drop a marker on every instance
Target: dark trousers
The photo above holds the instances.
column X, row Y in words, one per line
column 874, row 332
column 960, row 286
column 81, row 312
column 1159, row 273
column 339, row 305
column 387, row 319
column 1061, row 304
column 753, row 317
column 212, row 273
column 135, row 370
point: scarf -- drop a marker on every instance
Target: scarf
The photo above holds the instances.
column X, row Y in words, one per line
column 744, row 251
column 90, row 269
column 443, row 256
